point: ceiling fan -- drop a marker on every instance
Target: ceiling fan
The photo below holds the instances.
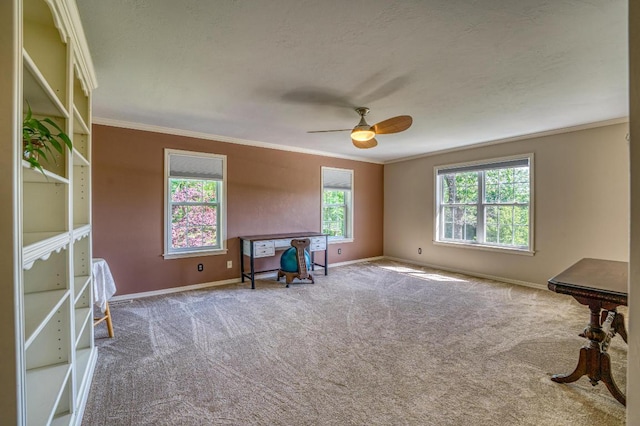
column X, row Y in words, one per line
column 364, row 136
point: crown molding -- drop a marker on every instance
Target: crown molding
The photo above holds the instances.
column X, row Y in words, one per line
column 218, row 138
column 68, row 11
column 586, row 126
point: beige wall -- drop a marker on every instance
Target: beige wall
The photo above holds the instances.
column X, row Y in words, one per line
column 581, row 205
column 268, row 191
column 10, row 259
column 633, row 379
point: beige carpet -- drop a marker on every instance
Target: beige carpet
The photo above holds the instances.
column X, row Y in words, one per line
column 376, row 343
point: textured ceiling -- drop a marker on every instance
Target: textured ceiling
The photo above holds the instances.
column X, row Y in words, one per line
column 269, row 71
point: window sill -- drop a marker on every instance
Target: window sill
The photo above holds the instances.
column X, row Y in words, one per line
column 340, row 240
column 194, row 254
column 522, row 252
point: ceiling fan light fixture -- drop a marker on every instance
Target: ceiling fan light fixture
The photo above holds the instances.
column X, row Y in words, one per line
column 363, row 136
column 362, row 133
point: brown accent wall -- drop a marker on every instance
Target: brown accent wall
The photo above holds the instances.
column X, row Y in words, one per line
column 268, row 191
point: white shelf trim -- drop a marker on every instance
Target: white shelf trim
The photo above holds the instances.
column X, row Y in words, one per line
column 40, row 245
column 81, row 230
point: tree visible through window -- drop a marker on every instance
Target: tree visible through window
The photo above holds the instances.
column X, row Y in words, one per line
column 334, row 213
column 194, row 202
column 337, row 203
column 194, row 213
column 486, row 204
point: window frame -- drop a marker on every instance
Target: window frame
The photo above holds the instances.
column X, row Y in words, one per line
column 483, row 165
column 221, row 214
column 349, row 205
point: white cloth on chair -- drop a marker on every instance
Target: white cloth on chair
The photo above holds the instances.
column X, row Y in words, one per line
column 103, row 284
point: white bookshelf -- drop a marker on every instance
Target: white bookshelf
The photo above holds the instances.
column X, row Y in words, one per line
column 80, row 283
column 53, row 286
column 47, row 385
column 38, row 310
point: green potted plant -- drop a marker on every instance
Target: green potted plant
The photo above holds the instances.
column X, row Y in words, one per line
column 38, row 139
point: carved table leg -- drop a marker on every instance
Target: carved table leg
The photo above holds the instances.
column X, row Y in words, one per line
column 605, row 370
column 616, row 322
column 594, row 361
column 580, row 370
column 618, row 326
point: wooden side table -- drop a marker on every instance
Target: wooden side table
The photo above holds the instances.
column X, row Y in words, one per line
column 602, row 286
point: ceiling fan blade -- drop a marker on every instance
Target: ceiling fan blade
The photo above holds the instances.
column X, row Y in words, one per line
column 393, row 125
column 365, row 144
column 327, row 131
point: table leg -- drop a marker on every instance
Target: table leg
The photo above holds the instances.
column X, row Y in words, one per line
column 594, row 361
column 618, row 326
column 605, row 370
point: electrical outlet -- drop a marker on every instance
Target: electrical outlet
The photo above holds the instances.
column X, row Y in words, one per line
column 419, row 250
column 200, row 267
column 339, row 251
column 229, row 264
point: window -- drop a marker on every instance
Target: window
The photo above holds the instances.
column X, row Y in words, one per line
column 195, row 206
column 486, row 204
column 337, row 203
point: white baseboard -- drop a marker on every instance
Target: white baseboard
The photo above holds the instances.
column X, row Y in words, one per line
column 351, row 262
column 471, row 273
column 331, row 265
column 173, row 290
column 219, row 283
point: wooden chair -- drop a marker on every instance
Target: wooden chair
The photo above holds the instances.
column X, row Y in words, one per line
column 302, row 273
column 107, row 319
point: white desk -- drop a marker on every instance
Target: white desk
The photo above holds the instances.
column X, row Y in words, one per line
column 257, row 246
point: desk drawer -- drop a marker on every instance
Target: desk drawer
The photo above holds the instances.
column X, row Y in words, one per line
column 260, row 248
column 318, row 244
column 264, row 248
column 264, row 252
column 282, row 244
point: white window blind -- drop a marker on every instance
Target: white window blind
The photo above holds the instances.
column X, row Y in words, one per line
column 337, row 179
column 192, row 167
column 521, row 162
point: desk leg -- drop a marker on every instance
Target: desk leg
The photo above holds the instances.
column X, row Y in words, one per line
column 326, row 258
column 253, row 277
column 241, row 261
column 594, row 361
